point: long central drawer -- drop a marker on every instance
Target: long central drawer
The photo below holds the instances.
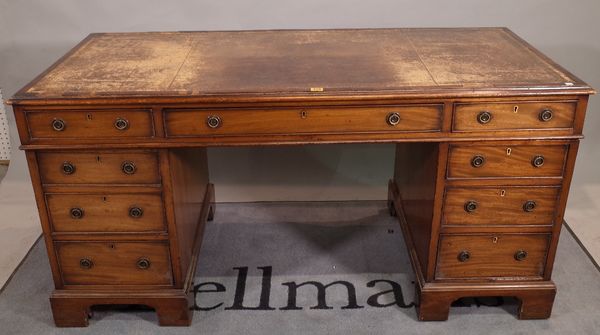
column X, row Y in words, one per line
column 404, row 118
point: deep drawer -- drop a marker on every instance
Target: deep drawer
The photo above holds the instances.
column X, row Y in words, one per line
column 89, row 124
column 114, row 263
column 489, row 255
column 505, row 161
column 503, row 206
column 98, row 167
column 495, row 116
column 105, row 212
column 190, row 122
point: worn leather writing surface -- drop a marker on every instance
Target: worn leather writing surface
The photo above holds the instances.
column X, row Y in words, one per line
column 293, row 62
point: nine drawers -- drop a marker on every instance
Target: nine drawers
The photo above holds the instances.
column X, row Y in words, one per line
column 500, row 161
column 509, row 116
column 105, row 212
column 489, row 255
column 148, row 263
column 118, row 263
column 188, row 122
column 500, row 205
column 98, row 167
column 89, row 124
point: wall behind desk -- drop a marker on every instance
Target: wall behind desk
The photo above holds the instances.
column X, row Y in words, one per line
column 34, row 33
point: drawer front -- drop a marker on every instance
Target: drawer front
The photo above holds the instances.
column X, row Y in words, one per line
column 85, row 167
column 503, row 255
column 105, row 212
column 90, row 124
column 513, row 116
column 118, row 263
column 495, row 161
column 504, row 206
column 420, row 118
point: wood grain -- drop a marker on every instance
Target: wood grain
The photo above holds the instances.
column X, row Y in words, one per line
column 114, row 263
column 415, row 171
column 106, row 212
column 185, row 188
column 492, row 258
column 413, row 118
column 500, row 205
column 98, row 167
column 499, row 164
column 510, row 116
column 96, row 124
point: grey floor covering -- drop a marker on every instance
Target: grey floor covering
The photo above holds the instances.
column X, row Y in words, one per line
column 355, row 242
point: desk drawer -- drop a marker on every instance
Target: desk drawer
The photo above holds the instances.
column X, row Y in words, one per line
column 503, row 206
column 489, row 255
column 89, row 124
column 98, row 167
column 508, row 116
column 114, row 263
column 506, row 161
column 418, row 118
column 105, row 212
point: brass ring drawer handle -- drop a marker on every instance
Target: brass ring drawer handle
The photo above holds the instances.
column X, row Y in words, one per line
column 143, row 263
column 520, row 255
column 121, row 124
column 529, row 206
column 484, row 117
column 136, row 212
column 393, row 119
column 546, row 115
column 58, row 124
column 128, row 168
column 68, row 168
column 86, row 263
column 76, row 213
column 478, row 161
column 213, row 121
column 464, row 256
column 537, row 161
column 470, row 206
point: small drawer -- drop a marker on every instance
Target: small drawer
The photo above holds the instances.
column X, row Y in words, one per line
column 105, row 212
column 90, row 124
column 505, row 161
column 114, row 263
column 489, row 255
column 511, row 116
column 98, row 167
column 500, row 206
column 417, row 118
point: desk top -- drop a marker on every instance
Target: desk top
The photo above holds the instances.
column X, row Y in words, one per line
column 301, row 64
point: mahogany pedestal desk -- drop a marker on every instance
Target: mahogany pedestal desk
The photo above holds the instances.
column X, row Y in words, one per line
column 486, row 131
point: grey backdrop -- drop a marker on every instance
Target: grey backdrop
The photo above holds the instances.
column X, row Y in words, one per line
column 34, row 33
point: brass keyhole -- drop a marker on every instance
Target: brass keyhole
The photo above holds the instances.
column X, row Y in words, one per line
column 495, row 239
column 508, row 151
column 88, row 116
column 303, row 114
column 516, row 109
column 502, row 193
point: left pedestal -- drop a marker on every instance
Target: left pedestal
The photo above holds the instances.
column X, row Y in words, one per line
column 122, row 227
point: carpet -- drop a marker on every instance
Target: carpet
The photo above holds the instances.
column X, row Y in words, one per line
column 310, row 268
